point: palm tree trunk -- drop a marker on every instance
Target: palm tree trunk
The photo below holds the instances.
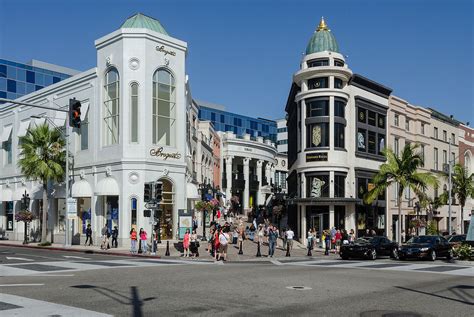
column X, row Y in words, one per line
column 462, row 220
column 399, row 227
column 44, row 220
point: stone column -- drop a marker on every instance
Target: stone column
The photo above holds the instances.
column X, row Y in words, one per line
column 272, row 174
column 259, row 178
column 303, row 185
column 268, row 172
column 228, row 172
column 331, row 216
column 247, row 184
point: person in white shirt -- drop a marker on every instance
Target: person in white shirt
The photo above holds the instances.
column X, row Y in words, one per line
column 289, row 238
column 223, row 240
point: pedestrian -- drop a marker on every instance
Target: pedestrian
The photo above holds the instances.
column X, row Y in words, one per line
column 323, row 239
column 338, row 238
column 194, row 246
column 88, row 235
column 143, row 242
column 310, row 239
column 289, row 238
column 328, row 243
column 223, row 241
column 272, row 240
column 210, row 242
column 195, row 223
column 186, row 242
column 216, row 253
column 284, row 238
column 231, row 216
column 114, row 237
column 403, row 236
column 133, row 241
column 155, row 242
column 352, row 236
column 261, row 234
column 105, row 238
column 235, row 236
column 345, row 236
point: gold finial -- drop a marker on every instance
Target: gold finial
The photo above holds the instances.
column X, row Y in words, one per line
column 322, row 26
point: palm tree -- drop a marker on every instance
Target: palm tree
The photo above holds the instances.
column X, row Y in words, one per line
column 462, row 187
column 402, row 171
column 42, row 158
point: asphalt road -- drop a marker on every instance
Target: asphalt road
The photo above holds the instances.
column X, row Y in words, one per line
column 170, row 288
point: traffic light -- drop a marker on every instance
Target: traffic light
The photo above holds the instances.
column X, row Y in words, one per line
column 158, row 191
column 74, row 113
column 147, row 213
column 147, row 193
column 25, row 201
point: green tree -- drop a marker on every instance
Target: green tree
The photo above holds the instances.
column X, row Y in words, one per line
column 402, row 171
column 462, row 187
column 42, row 158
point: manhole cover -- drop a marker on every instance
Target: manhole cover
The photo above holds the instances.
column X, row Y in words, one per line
column 299, row 288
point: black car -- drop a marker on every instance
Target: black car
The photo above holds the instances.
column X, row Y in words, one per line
column 456, row 240
column 429, row 247
column 369, row 248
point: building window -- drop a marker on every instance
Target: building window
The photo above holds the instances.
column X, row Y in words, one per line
column 84, row 133
column 317, row 83
column 238, row 122
column 407, row 124
column 396, row 146
column 222, row 118
column 338, row 63
column 453, row 138
column 435, row 159
column 453, row 157
column 164, row 108
column 396, row 120
column 318, row 135
column 317, row 185
column 111, row 111
column 339, row 135
column 134, row 112
column 381, row 121
column 339, row 185
column 338, row 83
column 381, row 144
column 372, row 142
column 362, row 140
column 318, row 62
column 9, row 212
column 423, row 128
column 213, row 116
column 372, row 117
column 7, row 148
column 339, row 108
column 445, row 136
column 317, row 108
column 445, row 157
column 133, row 214
column 435, row 133
column 362, row 115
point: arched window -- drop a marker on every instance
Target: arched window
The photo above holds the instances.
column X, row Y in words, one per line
column 164, row 108
column 111, row 111
column 467, row 163
column 134, row 112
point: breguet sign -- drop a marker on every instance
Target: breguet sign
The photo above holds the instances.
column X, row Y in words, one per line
column 316, row 157
column 164, row 50
column 158, row 152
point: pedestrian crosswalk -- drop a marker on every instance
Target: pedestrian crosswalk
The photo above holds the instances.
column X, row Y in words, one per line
column 441, row 268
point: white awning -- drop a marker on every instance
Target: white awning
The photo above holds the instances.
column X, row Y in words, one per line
column 84, row 109
column 59, row 120
column 81, row 188
column 24, row 125
column 19, row 192
column 107, row 187
column 6, row 133
column 7, row 194
column 39, row 121
column 192, row 192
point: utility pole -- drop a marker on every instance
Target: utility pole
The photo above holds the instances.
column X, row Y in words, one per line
column 450, row 185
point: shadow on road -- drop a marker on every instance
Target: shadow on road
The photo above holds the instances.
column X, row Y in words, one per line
column 134, row 300
column 460, row 291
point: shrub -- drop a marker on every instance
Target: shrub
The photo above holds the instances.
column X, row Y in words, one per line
column 463, row 252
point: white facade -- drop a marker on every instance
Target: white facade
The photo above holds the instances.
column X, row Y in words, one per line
column 282, row 136
column 132, row 136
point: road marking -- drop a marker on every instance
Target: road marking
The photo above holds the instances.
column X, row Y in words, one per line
column 14, row 285
column 75, row 257
column 53, row 275
column 276, row 262
column 19, row 259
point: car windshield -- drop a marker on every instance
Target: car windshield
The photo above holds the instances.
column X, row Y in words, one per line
column 422, row 239
column 364, row 240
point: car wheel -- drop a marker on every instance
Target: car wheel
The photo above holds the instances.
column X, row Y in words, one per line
column 395, row 254
column 433, row 255
column 450, row 254
column 401, row 258
column 373, row 255
column 344, row 257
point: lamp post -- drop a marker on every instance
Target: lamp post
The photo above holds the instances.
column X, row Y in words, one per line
column 25, row 201
column 417, row 211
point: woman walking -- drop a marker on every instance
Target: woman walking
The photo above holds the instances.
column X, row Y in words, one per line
column 143, row 242
column 194, row 244
column 133, row 241
column 186, row 242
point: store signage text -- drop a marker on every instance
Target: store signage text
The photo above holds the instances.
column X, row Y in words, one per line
column 316, row 157
column 167, row 52
column 158, row 152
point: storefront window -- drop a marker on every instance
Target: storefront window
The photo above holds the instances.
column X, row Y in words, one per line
column 372, row 142
column 361, row 140
column 133, row 213
column 339, row 135
column 339, row 185
column 83, row 214
column 112, row 212
column 318, row 135
column 164, row 108
column 9, row 212
column 317, row 185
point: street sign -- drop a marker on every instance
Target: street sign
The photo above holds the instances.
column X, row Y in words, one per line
column 151, row 206
column 71, row 207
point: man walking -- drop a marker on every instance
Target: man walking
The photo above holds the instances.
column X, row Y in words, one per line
column 272, row 239
column 88, row 235
column 105, row 238
column 114, row 237
column 289, row 234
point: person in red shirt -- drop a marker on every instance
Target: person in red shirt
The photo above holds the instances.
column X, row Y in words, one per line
column 133, row 241
column 338, row 238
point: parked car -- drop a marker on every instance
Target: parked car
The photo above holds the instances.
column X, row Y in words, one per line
column 429, row 247
column 456, row 240
column 369, row 248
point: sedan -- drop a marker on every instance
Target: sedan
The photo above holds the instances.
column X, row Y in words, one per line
column 426, row 247
column 369, row 248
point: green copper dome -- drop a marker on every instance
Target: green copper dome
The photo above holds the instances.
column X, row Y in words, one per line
column 322, row 40
column 141, row 21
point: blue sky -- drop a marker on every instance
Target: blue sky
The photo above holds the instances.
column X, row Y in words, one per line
column 242, row 54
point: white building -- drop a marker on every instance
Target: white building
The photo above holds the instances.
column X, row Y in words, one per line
column 282, row 136
column 336, row 132
column 133, row 131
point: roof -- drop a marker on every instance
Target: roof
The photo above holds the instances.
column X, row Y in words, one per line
column 322, row 40
column 141, row 21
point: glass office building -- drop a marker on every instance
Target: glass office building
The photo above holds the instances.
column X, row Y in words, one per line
column 18, row 79
column 227, row 121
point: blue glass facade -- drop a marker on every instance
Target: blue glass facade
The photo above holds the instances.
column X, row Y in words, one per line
column 240, row 125
column 18, row 79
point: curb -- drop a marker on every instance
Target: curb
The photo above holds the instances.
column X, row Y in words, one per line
column 79, row 250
